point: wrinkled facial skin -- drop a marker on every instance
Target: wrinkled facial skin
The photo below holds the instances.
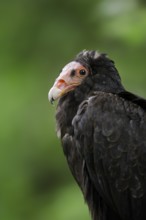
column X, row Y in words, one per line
column 70, row 77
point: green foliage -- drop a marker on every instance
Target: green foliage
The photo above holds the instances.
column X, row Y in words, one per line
column 37, row 39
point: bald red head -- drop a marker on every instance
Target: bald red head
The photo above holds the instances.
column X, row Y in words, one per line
column 71, row 76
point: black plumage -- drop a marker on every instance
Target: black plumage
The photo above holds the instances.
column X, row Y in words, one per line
column 103, row 132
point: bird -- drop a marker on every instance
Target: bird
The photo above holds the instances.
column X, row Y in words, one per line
column 102, row 128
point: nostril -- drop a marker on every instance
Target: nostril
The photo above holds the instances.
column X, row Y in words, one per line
column 61, row 84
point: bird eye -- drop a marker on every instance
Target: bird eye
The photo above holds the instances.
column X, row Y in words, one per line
column 82, row 72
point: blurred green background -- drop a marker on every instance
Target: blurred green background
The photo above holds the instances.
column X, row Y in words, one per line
column 37, row 38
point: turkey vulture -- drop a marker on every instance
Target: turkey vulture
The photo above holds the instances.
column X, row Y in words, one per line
column 103, row 133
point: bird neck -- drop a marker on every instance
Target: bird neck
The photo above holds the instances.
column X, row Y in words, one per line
column 66, row 110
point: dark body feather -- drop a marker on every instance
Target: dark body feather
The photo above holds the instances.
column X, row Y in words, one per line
column 103, row 133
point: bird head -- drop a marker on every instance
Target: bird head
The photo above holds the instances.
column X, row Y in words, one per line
column 87, row 64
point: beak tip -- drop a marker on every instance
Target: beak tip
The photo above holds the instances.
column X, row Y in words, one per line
column 52, row 101
column 53, row 94
column 50, row 98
